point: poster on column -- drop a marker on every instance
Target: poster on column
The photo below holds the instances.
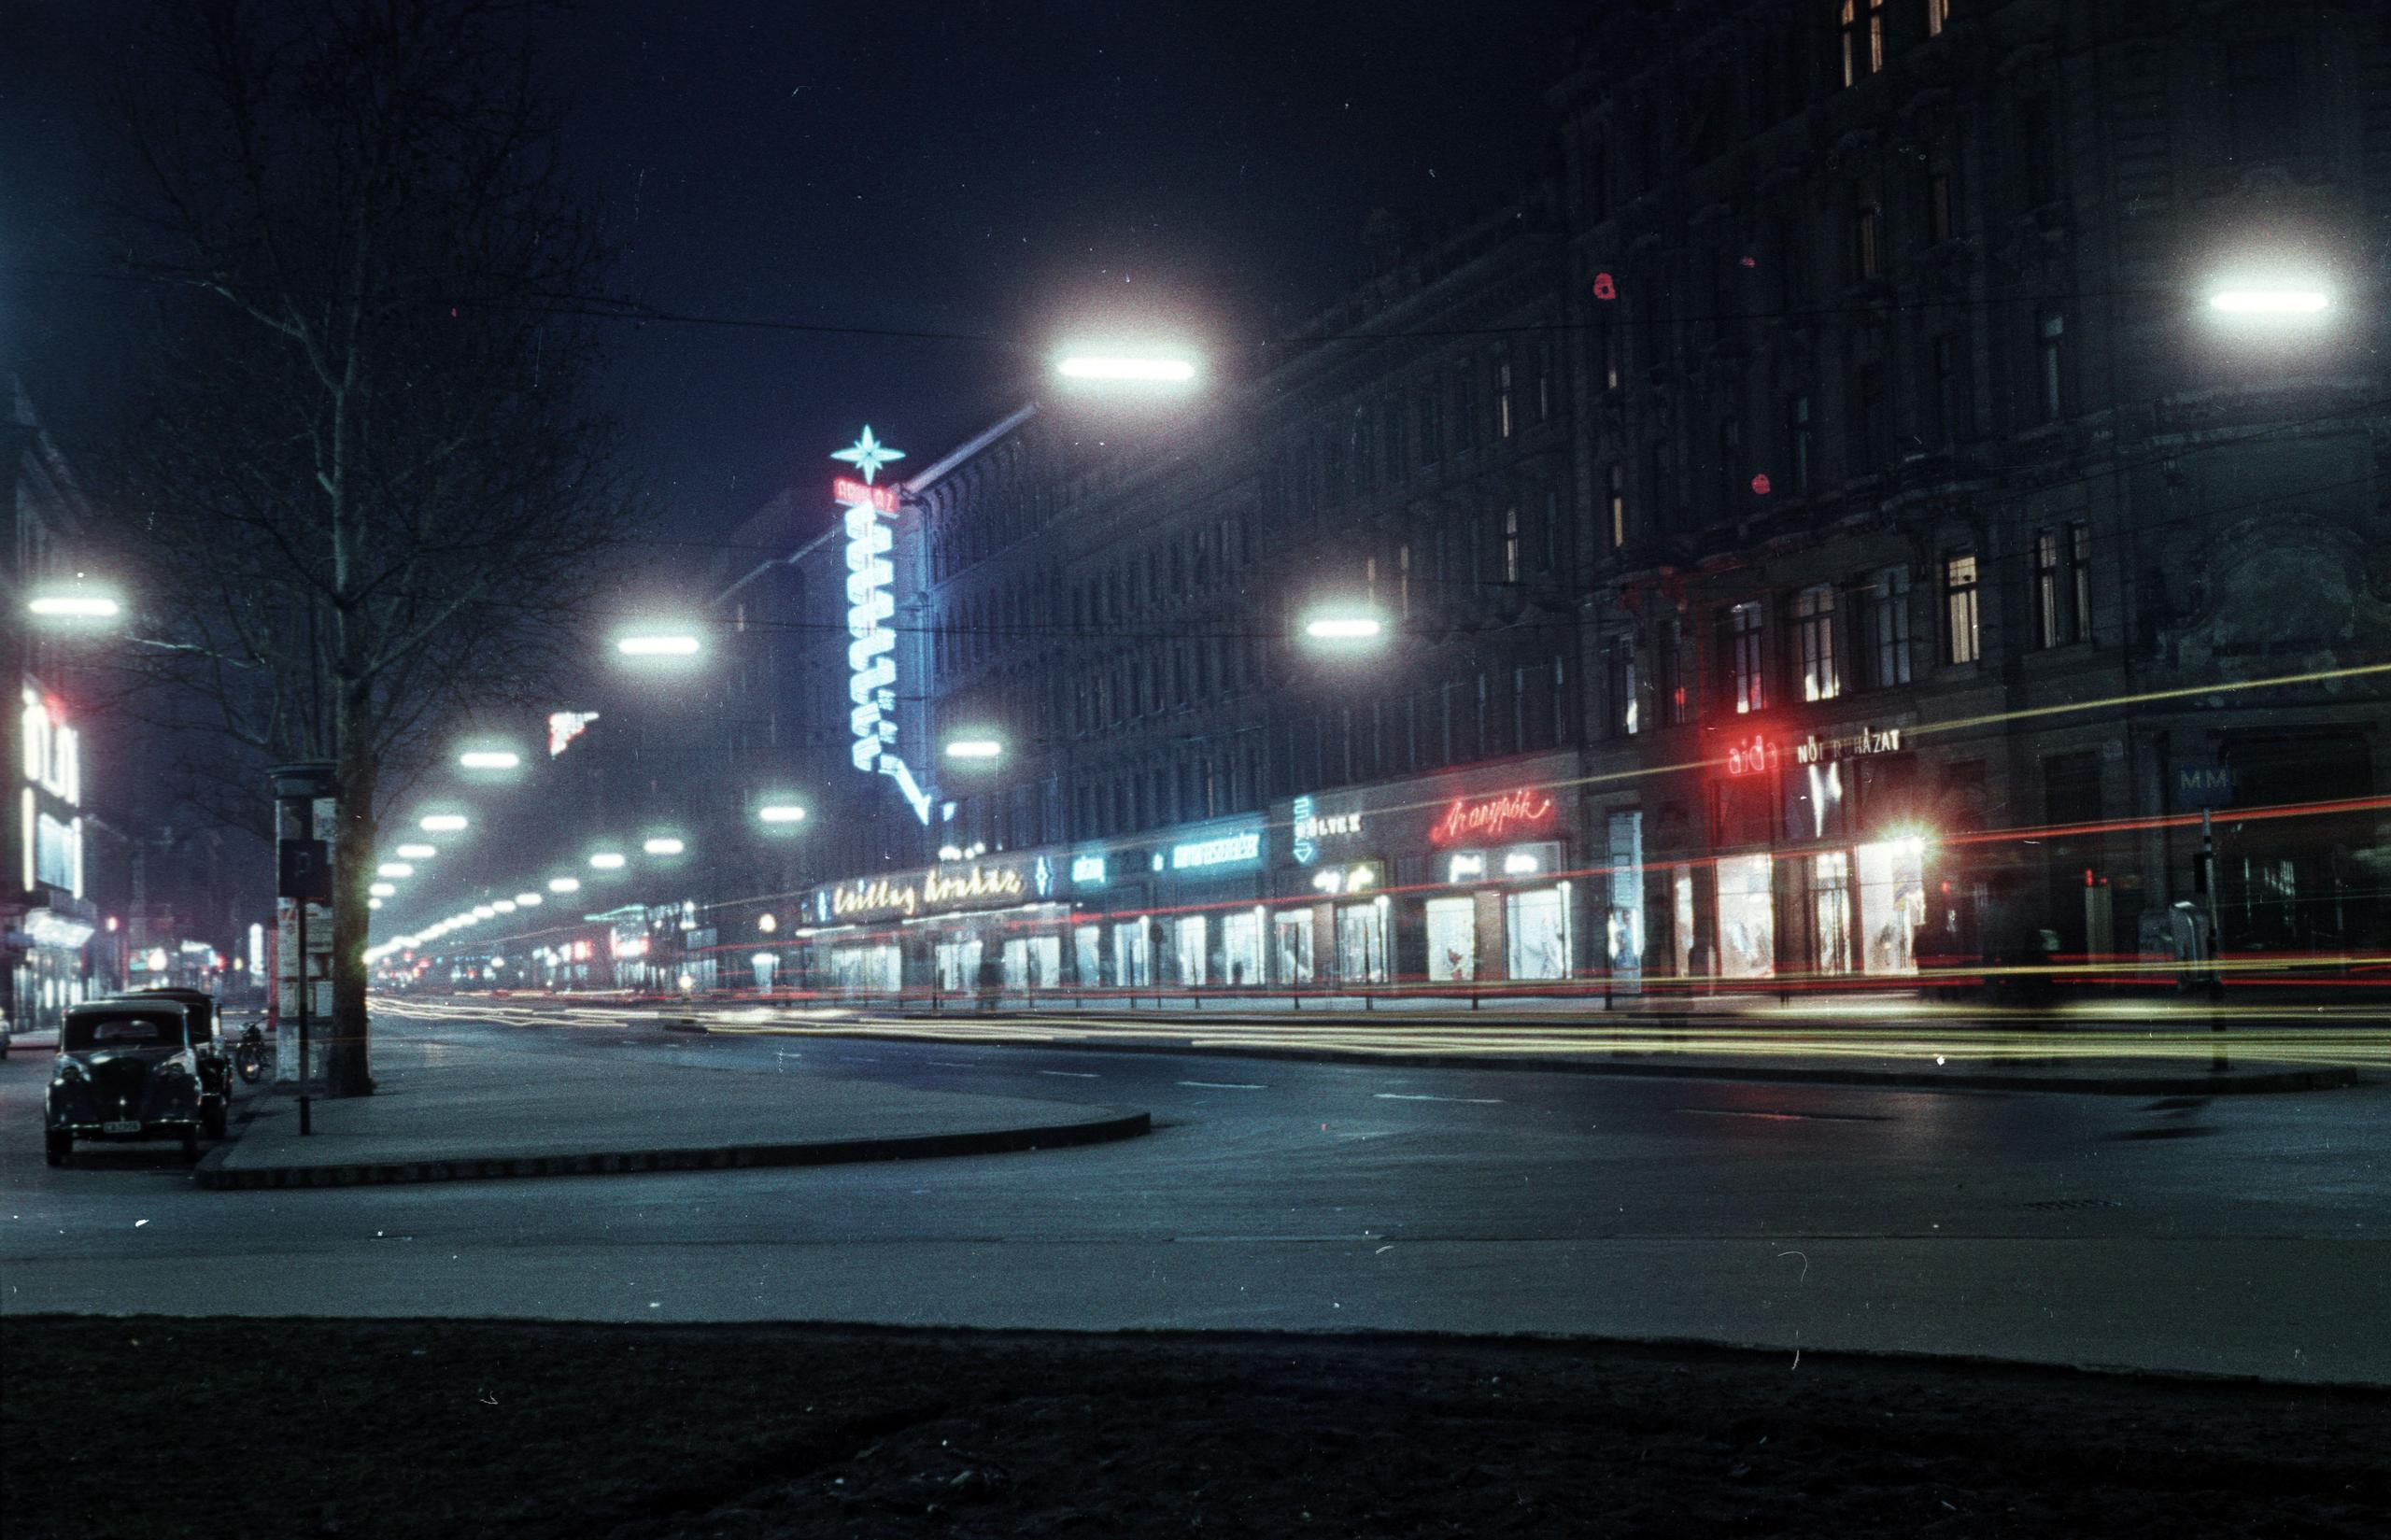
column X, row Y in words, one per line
column 286, row 983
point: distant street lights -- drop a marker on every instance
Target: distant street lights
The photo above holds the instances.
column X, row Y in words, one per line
column 664, row 845
column 564, row 884
column 417, row 851
column 443, row 822
column 780, row 812
column 606, row 860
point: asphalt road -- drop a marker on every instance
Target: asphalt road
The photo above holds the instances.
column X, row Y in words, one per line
column 2241, row 1236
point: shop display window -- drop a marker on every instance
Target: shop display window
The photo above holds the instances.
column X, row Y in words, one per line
column 1133, row 959
column 1892, row 903
column 1623, row 932
column 1291, row 947
column 1361, row 943
column 1746, row 918
column 1681, row 913
column 1452, row 939
column 1087, row 951
column 1831, row 911
column 1241, row 948
column 1537, row 924
column 1187, row 949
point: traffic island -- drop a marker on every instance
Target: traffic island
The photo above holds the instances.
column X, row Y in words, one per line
column 440, row 1428
column 482, row 1121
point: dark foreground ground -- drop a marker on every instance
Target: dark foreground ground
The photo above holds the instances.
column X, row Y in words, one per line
column 137, row 1427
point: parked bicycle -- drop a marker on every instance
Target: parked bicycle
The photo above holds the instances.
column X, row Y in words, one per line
column 249, row 1055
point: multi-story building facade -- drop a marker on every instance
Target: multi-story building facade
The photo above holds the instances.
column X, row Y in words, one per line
column 1824, row 523
column 1929, row 489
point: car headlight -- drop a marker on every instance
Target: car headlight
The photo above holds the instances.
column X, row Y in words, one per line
column 68, row 1073
column 181, row 1067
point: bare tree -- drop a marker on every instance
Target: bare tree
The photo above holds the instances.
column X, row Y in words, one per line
column 366, row 472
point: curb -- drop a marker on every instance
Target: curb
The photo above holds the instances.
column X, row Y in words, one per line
column 2330, row 1078
column 1123, row 1125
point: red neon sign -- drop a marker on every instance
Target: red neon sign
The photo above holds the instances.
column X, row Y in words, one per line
column 1757, row 758
column 849, row 490
column 1491, row 818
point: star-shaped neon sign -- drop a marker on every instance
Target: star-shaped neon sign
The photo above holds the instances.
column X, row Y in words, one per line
column 868, row 455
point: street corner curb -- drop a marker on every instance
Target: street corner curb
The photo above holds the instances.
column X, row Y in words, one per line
column 220, row 1151
column 680, row 1024
column 1121, row 1123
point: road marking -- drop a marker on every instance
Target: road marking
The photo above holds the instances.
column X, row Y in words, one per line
column 1223, row 1085
column 1782, row 1117
column 1071, row 1074
column 952, row 1064
column 1406, row 1096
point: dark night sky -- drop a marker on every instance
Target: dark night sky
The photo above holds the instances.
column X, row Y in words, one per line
column 935, row 164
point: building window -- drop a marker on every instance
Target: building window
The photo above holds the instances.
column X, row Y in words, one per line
column 1938, row 13
column 1511, row 544
column 2261, row 102
column 2051, row 333
column 1615, row 500
column 1868, row 435
column 1503, row 399
column 2063, row 584
column 1611, row 335
column 1864, row 47
column 1799, row 443
column 1619, row 661
column 1961, row 640
column 1403, row 579
column 1560, row 700
column 1814, row 643
column 1886, row 654
column 1746, row 686
column 2038, row 149
column 1867, row 257
column 1943, row 357
column 1669, row 675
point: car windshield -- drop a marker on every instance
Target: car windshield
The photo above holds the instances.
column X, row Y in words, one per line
column 145, row 1030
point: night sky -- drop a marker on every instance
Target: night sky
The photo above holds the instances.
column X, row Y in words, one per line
column 1001, row 170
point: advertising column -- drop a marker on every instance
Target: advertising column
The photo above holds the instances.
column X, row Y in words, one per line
column 303, row 991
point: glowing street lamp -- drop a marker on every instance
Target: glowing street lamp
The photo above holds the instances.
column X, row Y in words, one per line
column 382, row 890
column 483, row 912
column 2271, row 300
column 1348, row 626
column 441, row 823
column 1143, row 369
column 658, row 643
column 504, row 906
column 607, row 860
column 489, row 759
column 664, row 845
column 417, row 851
column 978, row 749
column 780, row 812
column 394, row 868
column 564, row 884
column 73, row 604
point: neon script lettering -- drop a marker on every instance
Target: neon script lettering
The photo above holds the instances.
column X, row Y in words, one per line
column 1491, row 818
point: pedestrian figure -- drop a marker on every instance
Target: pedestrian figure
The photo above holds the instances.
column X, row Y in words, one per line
column 990, row 981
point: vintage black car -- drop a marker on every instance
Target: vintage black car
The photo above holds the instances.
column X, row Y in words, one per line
column 126, row 1069
column 206, row 1041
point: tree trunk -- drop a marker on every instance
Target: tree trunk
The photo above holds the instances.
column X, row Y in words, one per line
column 356, row 776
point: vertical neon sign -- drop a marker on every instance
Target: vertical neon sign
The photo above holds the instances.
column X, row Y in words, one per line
column 872, row 662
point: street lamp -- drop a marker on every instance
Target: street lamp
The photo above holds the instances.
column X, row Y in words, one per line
column 564, row 884
column 417, row 851
column 982, row 750
column 1133, row 367
column 2270, row 300
column 73, row 604
column 394, row 868
column 780, row 812
column 663, row 844
column 382, row 890
column 606, row 860
column 489, row 759
column 1345, row 626
column 659, row 642
column 529, row 900
column 441, row 823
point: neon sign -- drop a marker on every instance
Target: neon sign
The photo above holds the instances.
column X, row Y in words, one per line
column 1491, row 818
column 564, row 727
column 1761, row 757
column 884, row 896
column 872, row 662
column 1221, row 851
column 1310, row 826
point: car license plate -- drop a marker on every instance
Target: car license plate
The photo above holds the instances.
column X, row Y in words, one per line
column 122, row 1125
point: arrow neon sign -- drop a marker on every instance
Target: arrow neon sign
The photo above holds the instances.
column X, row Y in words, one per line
column 871, row 661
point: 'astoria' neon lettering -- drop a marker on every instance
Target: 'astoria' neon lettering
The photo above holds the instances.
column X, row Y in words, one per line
column 1491, row 818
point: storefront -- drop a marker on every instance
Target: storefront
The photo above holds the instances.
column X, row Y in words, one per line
column 1821, row 860
column 1456, row 879
column 933, row 929
column 1207, row 879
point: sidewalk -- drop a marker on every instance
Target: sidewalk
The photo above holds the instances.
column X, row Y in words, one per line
column 440, row 1117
